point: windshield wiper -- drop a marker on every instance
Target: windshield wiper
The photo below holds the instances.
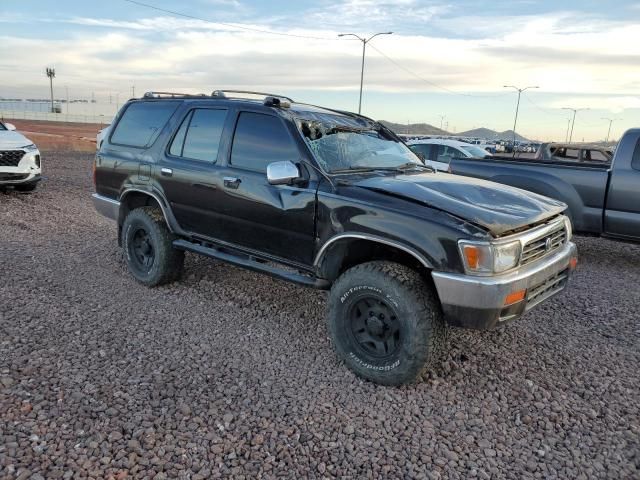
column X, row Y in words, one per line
column 367, row 168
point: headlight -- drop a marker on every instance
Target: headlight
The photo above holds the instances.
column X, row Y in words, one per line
column 30, row 148
column 487, row 258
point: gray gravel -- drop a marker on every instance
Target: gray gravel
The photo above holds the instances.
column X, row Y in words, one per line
column 230, row 373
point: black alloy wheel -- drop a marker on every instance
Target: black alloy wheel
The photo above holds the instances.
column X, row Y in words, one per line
column 375, row 327
column 143, row 251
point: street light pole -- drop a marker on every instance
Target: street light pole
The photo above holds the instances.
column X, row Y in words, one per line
column 610, row 120
column 442, row 117
column 515, row 121
column 51, row 73
column 364, row 49
column 573, row 121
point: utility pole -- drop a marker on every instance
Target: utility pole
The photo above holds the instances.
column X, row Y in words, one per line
column 364, row 47
column 573, row 121
column 515, row 121
column 51, row 73
column 133, row 91
column 610, row 120
column 66, row 88
column 442, row 117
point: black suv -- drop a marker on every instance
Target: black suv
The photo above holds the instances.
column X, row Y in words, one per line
column 330, row 200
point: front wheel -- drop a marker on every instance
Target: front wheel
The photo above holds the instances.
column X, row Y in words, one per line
column 148, row 247
column 386, row 322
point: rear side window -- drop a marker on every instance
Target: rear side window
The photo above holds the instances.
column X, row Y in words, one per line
column 142, row 122
column 446, row 153
column 260, row 140
column 198, row 137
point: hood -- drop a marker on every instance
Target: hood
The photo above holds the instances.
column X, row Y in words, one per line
column 496, row 207
column 10, row 139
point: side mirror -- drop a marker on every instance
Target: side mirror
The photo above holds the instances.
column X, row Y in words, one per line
column 282, row 173
column 10, row 126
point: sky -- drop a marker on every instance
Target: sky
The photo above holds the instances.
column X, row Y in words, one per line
column 446, row 59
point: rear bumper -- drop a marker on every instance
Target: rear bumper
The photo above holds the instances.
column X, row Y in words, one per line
column 479, row 302
column 106, row 206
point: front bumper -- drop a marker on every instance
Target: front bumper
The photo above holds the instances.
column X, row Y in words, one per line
column 27, row 171
column 479, row 302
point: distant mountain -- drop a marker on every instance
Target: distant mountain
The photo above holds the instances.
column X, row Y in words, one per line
column 492, row 134
column 414, row 128
column 426, row 129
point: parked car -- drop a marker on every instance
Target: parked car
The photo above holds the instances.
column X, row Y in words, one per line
column 437, row 153
column 331, row 200
column 574, row 152
column 19, row 160
column 603, row 195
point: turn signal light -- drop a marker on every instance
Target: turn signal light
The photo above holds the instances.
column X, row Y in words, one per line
column 573, row 263
column 514, row 297
column 472, row 255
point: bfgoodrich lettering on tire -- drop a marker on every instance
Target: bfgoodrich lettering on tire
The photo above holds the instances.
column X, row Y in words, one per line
column 148, row 247
column 385, row 322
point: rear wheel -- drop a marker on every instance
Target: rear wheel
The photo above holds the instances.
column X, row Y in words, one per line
column 148, row 246
column 386, row 323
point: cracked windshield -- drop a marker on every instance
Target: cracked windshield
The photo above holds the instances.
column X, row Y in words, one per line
column 341, row 144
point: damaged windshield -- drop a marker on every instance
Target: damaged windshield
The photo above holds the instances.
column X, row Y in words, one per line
column 343, row 144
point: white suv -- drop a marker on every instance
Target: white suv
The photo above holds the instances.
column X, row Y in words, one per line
column 19, row 160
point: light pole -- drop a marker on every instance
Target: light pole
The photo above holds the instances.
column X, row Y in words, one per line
column 573, row 121
column 442, row 117
column 364, row 48
column 515, row 121
column 51, row 73
column 610, row 120
column 66, row 88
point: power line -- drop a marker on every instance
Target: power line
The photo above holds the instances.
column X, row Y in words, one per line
column 429, row 82
column 230, row 25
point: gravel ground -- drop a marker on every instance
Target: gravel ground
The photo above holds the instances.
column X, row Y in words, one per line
column 230, row 373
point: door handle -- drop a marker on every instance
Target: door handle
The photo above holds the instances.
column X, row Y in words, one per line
column 232, row 182
column 167, row 172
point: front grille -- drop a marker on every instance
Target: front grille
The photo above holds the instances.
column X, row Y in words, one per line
column 13, row 176
column 541, row 246
column 10, row 158
column 547, row 288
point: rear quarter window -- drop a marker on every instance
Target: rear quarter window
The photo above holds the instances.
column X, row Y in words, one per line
column 635, row 161
column 142, row 122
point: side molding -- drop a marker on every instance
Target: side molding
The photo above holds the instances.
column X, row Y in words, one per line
column 372, row 238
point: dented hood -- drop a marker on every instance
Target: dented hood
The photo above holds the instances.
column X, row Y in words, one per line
column 496, row 207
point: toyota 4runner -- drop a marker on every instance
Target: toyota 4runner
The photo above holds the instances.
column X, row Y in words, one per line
column 330, row 200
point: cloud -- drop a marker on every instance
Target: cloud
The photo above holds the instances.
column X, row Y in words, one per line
column 164, row 51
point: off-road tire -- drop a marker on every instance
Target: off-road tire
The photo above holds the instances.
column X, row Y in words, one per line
column 25, row 187
column 167, row 262
column 419, row 322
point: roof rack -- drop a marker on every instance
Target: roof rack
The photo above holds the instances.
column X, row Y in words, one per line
column 222, row 94
column 171, row 95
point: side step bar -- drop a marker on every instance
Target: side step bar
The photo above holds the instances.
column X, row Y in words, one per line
column 250, row 264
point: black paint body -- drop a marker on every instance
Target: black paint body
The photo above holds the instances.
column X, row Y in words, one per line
column 303, row 226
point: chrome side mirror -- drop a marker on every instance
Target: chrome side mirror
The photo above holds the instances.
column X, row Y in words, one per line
column 282, row 173
column 10, row 126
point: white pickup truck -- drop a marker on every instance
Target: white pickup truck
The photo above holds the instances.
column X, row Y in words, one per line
column 19, row 160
